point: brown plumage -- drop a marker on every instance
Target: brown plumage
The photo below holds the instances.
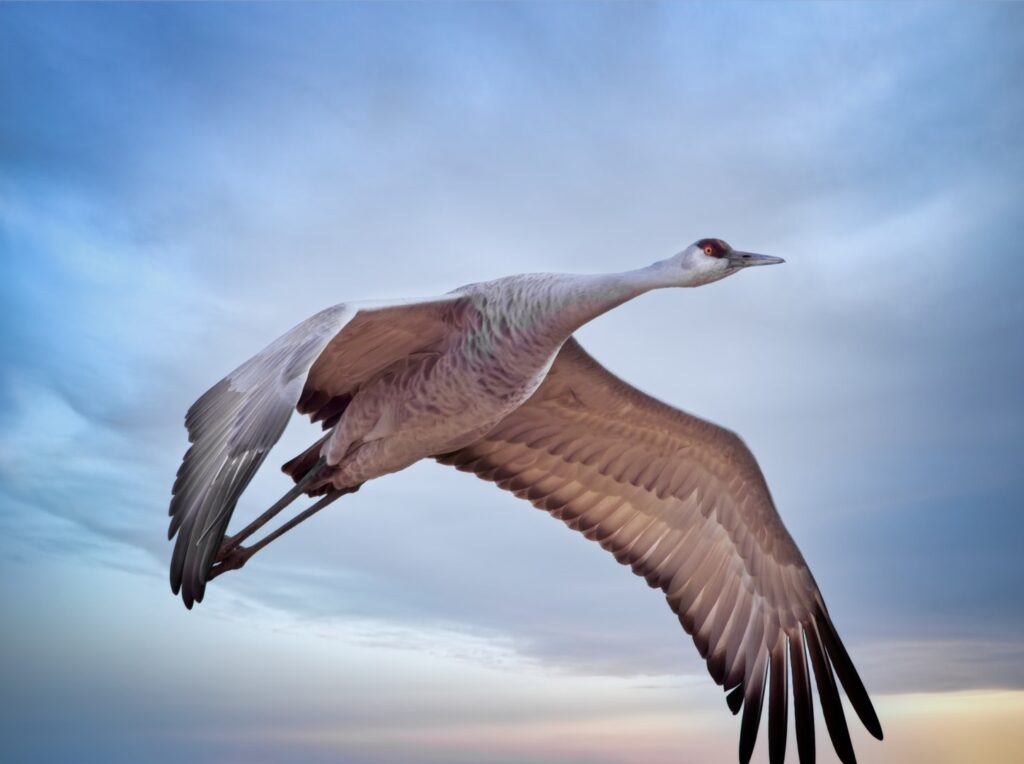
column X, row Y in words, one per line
column 684, row 504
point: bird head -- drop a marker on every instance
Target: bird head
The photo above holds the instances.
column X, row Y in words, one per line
column 709, row 260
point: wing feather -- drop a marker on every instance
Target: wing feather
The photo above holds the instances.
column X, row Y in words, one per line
column 831, row 706
column 778, row 711
column 684, row 504
column 803, row 697
column 231, row 428
column 753, row 699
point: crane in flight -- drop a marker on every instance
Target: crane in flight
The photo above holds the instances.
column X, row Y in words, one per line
column 489, row 379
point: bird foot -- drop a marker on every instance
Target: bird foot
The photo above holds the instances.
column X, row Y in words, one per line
column 231, row 556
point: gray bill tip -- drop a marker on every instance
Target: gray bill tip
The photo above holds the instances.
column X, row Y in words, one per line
column 750, row 259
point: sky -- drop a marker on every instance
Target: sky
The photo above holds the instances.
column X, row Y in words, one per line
column 179, row 184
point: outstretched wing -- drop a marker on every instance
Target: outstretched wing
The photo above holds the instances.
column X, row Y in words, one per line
column 685, row 505
column 237, row 421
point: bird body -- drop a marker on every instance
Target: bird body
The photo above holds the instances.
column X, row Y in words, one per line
column 499, row 340
column 489, row 379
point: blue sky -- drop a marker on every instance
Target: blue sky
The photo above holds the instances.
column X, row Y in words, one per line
column 181, row 183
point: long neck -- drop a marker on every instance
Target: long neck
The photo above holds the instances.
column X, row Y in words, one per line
column 575, row 300
column 595, row 295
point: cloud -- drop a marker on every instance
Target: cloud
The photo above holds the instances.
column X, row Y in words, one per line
column 180, row 185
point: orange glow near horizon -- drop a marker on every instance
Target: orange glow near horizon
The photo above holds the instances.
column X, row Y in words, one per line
column 939, row 728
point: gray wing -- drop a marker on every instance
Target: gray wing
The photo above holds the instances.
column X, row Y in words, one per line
column 685, row 505
column 233, row 425
column 231, row 429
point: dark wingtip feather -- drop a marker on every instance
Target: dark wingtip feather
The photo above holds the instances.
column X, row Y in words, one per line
column 752, row 703
column 828, row 693
column 778, row 703
column 851, row 681
column 803, row 699
column 734, row 699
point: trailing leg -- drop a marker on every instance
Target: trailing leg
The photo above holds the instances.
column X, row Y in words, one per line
column 233, row 556
column 233, row 541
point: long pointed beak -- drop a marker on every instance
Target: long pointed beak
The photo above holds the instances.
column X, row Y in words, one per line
column 739, row 259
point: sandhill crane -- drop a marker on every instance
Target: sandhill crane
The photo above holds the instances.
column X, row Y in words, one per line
column 489, row 379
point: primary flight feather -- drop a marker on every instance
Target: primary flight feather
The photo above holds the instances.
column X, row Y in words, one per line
column 490, row 380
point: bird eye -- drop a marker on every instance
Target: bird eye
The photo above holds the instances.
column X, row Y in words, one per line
column 708, row 251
